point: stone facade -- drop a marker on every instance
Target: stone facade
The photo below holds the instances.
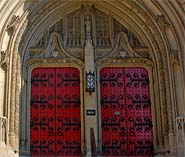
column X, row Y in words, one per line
column 91, row 35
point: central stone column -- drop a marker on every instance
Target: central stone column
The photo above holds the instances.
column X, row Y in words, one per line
column 90, row 98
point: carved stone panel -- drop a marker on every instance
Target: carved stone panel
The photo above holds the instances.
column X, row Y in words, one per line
column 89, row 23
column 103, row 29
column 73, row 30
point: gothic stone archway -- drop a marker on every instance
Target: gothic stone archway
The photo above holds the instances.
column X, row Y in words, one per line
column 141, row 44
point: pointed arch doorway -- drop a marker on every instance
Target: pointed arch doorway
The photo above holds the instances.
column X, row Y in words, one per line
column 56, row 51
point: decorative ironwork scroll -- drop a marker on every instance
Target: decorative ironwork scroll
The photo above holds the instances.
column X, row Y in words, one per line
column 125, row 112
column 55, row 126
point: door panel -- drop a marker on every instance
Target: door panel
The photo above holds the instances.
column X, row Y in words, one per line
column 68, row 126
column 55, row 127
column 125, row 112
column 114, row 139
column 139, row 120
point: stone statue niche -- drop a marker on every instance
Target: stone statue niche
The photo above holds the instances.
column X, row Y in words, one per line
column 88, row 28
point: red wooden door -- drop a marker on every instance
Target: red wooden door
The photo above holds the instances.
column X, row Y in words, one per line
column 55, row 126
column 125, row 112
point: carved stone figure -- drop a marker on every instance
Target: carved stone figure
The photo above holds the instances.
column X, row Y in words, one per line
column 88, row 27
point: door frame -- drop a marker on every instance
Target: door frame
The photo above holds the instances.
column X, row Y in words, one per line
column 124, row 63
column 30, row 67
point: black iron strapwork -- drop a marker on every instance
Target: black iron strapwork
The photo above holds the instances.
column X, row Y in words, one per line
column 90, row 82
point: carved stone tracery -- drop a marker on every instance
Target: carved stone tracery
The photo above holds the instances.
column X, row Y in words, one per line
column 123, row 49
column 74, row 32
column 103, row 29
column 85, row 23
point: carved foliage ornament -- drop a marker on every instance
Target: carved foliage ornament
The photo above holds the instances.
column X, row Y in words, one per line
column 174, row 57
column 13, row 24
column 4, row 58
